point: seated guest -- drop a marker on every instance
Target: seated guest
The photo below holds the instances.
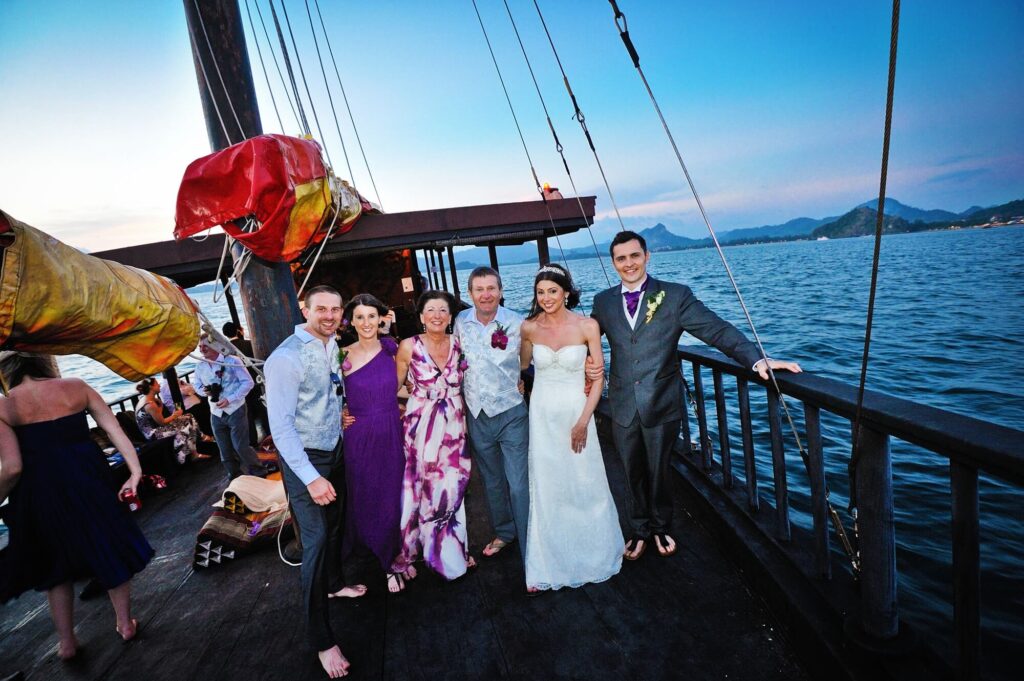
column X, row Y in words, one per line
column 194, row 404
column 149, row 415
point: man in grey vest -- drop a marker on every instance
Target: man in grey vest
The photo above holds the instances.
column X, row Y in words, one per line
column 304, row 408
column 643, row 319
column 499, row 427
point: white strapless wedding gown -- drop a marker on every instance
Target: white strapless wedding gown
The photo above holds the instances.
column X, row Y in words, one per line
column 573, row 536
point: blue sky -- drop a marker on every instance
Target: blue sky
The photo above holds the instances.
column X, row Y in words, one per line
column 777, row 107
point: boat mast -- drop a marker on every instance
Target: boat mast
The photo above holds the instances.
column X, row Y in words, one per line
column 267, row 289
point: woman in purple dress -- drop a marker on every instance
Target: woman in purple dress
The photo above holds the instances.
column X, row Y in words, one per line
column 436, row 457
column 374, row 458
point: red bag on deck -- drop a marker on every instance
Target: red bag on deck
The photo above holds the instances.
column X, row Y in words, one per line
column 281, row 181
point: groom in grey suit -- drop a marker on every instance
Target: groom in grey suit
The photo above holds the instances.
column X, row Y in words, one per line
column 643, row 319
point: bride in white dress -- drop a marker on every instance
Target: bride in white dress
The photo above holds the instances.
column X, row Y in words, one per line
column 573, row 537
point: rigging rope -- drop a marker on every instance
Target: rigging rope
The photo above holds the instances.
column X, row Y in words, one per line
column 291, row 73
column 580, row 118
column 263, row 66
column 305, row 85
column 277, row 65
column 879, row 219
column 558, row 144
column 522, row 139
column 620, row 23
column 349, row 108
column 330, row 99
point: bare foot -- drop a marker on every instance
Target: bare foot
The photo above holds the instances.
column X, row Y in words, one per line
column 67, row 649
column 128, row 631
column 665, row 544
column 494, row 547
column 333, row 662
column 471, row 563
column 635, row 548
column 410, row 572
column 354, row 591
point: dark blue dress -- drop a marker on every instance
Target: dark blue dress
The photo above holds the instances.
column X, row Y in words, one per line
column 65, row 520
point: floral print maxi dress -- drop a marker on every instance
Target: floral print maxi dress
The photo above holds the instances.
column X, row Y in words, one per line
column 437, row 464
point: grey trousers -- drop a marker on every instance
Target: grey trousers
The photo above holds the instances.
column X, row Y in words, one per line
column 320, row 529
column 501, row 446
column 646, row 456
column 231, row 431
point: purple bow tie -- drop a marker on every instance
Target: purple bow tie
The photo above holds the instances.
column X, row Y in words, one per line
column 633, row 299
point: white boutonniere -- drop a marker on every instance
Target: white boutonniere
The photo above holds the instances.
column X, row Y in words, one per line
column 653, row 303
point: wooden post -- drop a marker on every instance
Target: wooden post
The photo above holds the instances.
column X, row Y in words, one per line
column 723, row 429
column 492, row 253
column 432, row 268
column 966, row 571
column 702, row 418
column 455, row 279
column 229, row 298
column 267, row 289
column 543, row 256
column 171, row 376
column 749, row 463
column 879, row 611
column 778, row 467
column 440, row 267
column 819, row 507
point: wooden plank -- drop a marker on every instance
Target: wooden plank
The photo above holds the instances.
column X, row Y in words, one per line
column 879, row 610
column 966, row 571
column 749, row 462
column 702, row 418
column 723, row 430
column 819, row 505
column 782, row 528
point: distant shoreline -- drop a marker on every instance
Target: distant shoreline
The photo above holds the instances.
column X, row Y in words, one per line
column 463, row 265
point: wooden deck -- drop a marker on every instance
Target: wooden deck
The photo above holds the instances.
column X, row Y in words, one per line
column 690, row 616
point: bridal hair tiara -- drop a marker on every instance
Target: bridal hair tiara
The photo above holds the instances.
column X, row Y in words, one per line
column 555, row 270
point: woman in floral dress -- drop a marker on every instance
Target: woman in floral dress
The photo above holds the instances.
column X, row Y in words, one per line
column 149, row 415
column 436, row 457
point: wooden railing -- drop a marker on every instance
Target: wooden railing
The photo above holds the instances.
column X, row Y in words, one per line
column 971, row 445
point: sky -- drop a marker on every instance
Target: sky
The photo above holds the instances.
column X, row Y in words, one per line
column 778, row 108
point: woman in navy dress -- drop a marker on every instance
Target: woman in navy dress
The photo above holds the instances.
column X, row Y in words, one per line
column 65, row 520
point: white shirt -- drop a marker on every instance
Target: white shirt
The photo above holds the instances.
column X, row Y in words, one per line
column 640, row 303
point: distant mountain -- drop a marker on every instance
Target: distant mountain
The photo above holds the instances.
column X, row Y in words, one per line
column 795, row 227
column 859, row 222
column 1013, row 209
column 658, row 238
column 909, row 213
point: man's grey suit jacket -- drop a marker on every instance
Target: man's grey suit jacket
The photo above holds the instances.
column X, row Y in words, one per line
column 644, row 377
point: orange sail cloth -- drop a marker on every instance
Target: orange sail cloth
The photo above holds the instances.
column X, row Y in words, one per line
column 57, row 300
column 281, row 181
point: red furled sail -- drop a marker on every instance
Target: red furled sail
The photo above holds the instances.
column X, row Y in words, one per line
column 280, row 181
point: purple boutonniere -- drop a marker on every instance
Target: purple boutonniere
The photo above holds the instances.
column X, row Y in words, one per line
column 343, row 359
column 463, row 364
column 499, row 339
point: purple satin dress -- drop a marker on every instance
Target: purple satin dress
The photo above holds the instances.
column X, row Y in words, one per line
column 374, row 458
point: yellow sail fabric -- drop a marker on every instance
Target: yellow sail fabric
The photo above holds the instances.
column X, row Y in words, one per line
column 57, row 300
